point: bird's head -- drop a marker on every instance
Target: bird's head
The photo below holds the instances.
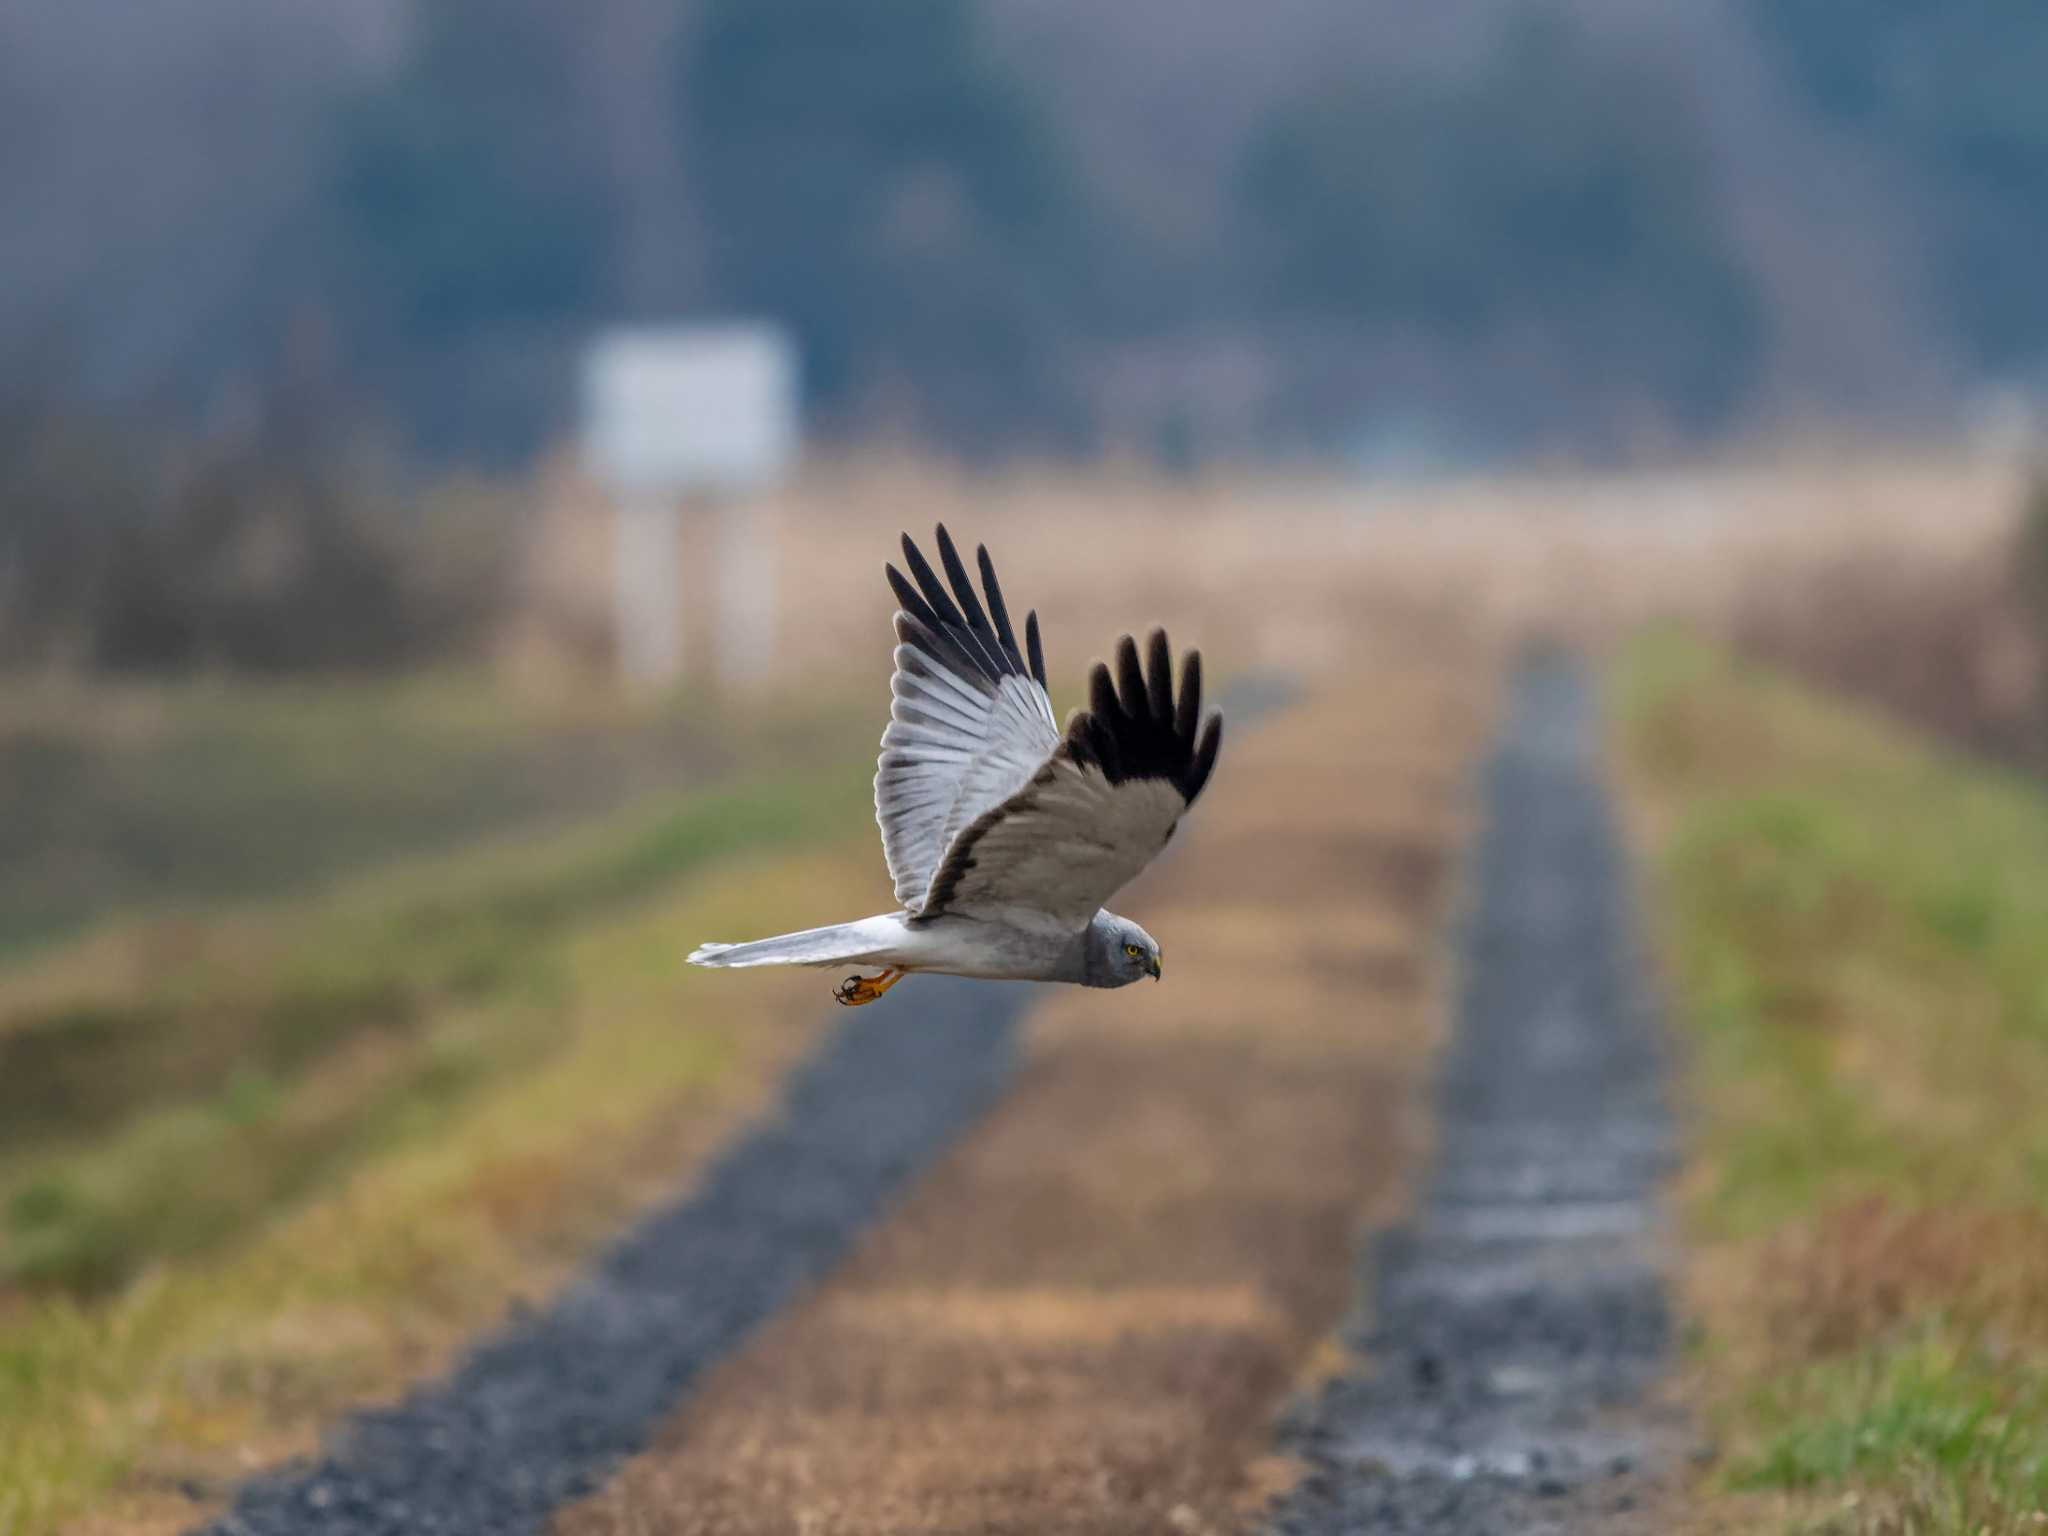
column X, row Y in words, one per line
column 1120, row 952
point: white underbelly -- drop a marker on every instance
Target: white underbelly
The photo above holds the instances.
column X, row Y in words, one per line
column 988, row 950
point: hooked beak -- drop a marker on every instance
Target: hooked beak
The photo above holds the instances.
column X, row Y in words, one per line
column 1153, row 966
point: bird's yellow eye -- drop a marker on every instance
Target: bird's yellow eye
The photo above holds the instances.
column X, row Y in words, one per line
column 1133, row 951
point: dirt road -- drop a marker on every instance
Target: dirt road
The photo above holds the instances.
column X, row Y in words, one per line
column 1515, row 1326
column 1083, row 1315
column 1084, row 1319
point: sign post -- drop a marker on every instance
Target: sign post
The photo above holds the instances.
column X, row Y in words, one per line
column 706, row 415
column 647, row 542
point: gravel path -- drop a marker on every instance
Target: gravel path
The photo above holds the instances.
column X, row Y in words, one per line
column 1081, row 1321
column 547, row 1407
column 1512, row 1330
column 1510, row 1333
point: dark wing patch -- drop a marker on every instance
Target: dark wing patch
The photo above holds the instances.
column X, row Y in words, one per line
column 1143, row 730
column 960, row 859
column 1133, row 727
column 953, row 627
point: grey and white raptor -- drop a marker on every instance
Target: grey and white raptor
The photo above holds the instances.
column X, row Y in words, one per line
column 1003, row 833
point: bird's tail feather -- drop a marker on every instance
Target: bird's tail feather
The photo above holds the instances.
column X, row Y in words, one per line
column 868, row 941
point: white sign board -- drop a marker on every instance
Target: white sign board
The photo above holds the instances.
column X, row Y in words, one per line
column 691, row 409
column 706, row 412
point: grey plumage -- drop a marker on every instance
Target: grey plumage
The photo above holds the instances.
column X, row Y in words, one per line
column 1004, row 834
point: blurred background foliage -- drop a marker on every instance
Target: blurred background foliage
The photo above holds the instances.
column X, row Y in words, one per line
column 1949, row 97
column 1346, row 336
column 1005, row 227
column 878, row 178
column 1549, row 193
column 276, row 277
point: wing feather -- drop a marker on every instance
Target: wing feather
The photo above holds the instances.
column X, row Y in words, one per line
column 969, row 720
column 983, row 803
column 1098, row 810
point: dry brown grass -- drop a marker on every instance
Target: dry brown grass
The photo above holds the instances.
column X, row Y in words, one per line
column 1272, row 571
column 1857, row 1273
column 1947, row 632
column 1944, row 640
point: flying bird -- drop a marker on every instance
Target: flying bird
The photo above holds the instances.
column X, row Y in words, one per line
column 1004, row 834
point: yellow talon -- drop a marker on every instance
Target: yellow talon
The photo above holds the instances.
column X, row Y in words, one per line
column 856, row 990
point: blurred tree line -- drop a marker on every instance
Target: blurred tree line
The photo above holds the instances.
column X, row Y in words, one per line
column 129, row 549
column 885, row 180
column 1556, row 195
column 1534, row 220
column 377, row 232
column 1955, row 97
column 899, row 182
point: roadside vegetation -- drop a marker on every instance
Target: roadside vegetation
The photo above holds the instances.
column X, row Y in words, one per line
column 1852, row 920
column 256, row 1165
column 125, row 795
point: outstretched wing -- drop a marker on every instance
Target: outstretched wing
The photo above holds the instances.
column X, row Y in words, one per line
column 968, row 724
column 1098, row 810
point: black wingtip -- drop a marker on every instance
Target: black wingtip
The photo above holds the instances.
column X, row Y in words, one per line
column 935, row 594
column 1159, row 676
column 1137, row 727
column 1205, row 759
column 1089, row 740
column 1033, row 648
column 1130, row 676
column 908, row 598
column 1189, row 714
column 963, row 587
column 998, row 610
column 981, row 637
column 1102, row 692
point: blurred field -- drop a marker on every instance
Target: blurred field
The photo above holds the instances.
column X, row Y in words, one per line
column 201, row 793
column 1267, row 571
column 346, row 883
column 372, row 1016
column 1084, row 1318
column 312, row 1239
column 1853, row 922
column 153, row 1114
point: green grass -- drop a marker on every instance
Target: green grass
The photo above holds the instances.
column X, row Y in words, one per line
column 288, row 1048
column 379, row 1021
column 1855, row 921
column 513, row 1053
column 1961, row 1438
column 201, row 793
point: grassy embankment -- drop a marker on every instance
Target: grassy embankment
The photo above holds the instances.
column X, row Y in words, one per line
column 1854, row 921
column 121, row 797
column 257, row 1165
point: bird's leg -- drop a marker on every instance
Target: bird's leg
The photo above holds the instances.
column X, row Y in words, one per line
column 856, row 990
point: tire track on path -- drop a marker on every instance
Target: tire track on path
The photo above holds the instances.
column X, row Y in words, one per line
column 537, row 1415
column 1514, row 1329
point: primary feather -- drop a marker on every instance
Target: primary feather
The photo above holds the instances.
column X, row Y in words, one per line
column 968, row 723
